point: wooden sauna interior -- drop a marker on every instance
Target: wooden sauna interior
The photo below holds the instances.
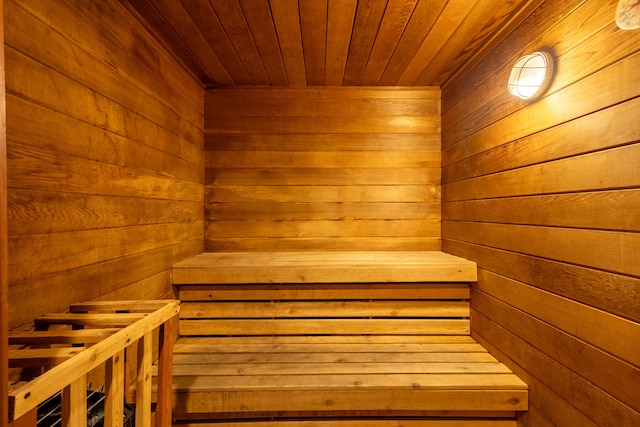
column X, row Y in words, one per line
column 140, row 133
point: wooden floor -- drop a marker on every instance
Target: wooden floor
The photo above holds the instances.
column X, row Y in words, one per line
column 334, row 339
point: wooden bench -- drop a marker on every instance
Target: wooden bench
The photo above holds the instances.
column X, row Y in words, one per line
column 335, row 339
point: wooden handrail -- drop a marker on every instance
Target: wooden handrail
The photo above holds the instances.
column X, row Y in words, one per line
column 135, row 323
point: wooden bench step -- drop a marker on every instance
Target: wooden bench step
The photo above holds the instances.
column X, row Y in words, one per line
column 334, row 339
column 324, row 267
column 281, row 374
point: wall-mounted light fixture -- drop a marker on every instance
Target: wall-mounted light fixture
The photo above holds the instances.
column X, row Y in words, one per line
column 531, row 75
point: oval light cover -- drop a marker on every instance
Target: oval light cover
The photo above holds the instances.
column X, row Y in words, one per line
column 530, row 74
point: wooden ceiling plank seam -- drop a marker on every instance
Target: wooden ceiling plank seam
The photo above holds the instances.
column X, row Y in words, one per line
column 207, row 22
column 392, row 27
column 454, row 45
column 331, row 42
column 179, row 20
column 341, row 17
column 286, row 19
column 443, row 27
column 234, row 23
column 369, row 14
column 313, row 23
column 496, row 38
column 466, row 40
column 262, row 27
column 424, row 17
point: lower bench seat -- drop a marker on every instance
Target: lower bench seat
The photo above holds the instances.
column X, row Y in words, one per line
column 359, row 351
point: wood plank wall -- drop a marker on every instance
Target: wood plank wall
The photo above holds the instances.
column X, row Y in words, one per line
column 322, row 169
column 105, row 146
column 4, row 281
column 545, row 197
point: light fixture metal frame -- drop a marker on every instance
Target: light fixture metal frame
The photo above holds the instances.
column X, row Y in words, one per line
column 525, row 64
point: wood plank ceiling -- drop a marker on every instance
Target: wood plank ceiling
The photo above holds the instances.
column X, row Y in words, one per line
column 330, row 42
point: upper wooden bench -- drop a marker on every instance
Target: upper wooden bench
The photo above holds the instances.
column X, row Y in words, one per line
column 345, row 339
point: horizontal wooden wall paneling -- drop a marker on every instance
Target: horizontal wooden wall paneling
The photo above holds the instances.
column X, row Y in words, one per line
column 76, row 100
column 323, row 159
column 320, row 142
column 607, row 250
column 93, row 177
column 156, row 74
column 561, row 41
column 324, row 193
column 47, row 87
column 153, row 57
column 62, row 251
column 163, row 156
column 323, row 177
column 279, row 211
column 607, row 128
column 106, row 167
column 319, row 228
column 117, row 276
column 595, row 92
column 604, row 210
column 286, row 106
column 344, row 94
column 550, row 384
column 150, row 288
column 327, row 124
column 543, row 196
column 324, row 244
column 612, row 334
column 322, row 164
column 602, row 170
column 613, row 293
column 36, row 211
column 615, row 376
column 587, row 397
column 122, row 89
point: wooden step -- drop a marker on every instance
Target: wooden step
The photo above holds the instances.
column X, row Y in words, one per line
column 334, row 339
column 274, row 374
column 324, row 267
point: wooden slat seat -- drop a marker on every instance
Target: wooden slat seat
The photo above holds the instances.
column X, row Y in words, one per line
column 273, row 346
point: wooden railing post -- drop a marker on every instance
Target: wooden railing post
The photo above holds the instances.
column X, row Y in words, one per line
column 114, row 390
column 165, row 362
column 30, row 419
column 74, row 403
column 143, row 383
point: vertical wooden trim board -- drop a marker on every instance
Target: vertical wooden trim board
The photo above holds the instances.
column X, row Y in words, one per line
column 544, row 196
column 4, row 293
